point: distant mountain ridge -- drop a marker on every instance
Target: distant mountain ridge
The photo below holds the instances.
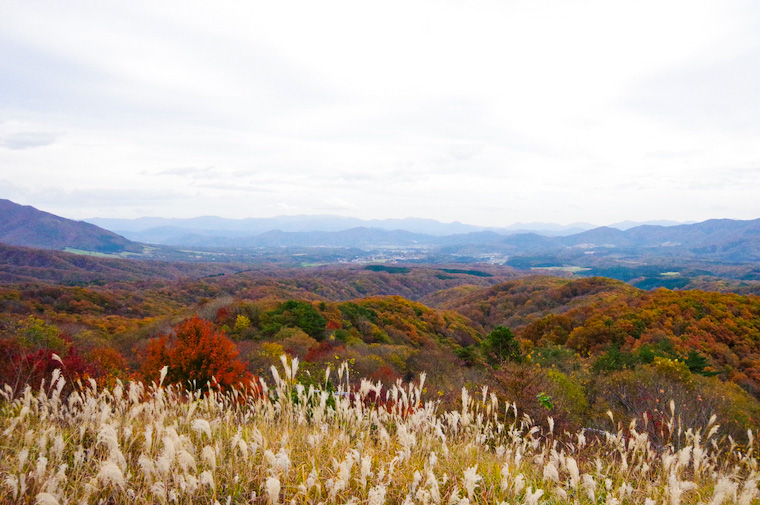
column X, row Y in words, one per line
column 724, row 240
column 214, row 225
column 23, row 225
column 189, row 231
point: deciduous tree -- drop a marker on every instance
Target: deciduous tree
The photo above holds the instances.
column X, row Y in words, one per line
column 196, row 355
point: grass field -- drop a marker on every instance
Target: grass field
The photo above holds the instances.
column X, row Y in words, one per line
column 137, row 444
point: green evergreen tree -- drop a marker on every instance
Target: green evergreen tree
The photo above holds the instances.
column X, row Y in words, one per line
column 500, row 345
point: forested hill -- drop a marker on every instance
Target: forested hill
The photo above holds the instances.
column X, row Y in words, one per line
column 596, row 316
column 518, row 302
column 23, row 225
column 331, row 282
column 25, row 264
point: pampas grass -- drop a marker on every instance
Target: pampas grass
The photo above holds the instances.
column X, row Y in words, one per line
column 144, row 444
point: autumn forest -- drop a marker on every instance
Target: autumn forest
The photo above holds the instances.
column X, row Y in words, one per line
column 585, row 345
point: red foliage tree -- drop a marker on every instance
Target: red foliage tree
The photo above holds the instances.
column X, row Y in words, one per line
column 20, row 366
column 34, row 350
column 196, row 355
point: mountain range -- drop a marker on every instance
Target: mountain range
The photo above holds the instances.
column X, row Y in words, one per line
column 175, row 231
column 721, row 240
column 724, row 240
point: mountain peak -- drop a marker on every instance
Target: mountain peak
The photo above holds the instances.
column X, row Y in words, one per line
column 24, row 225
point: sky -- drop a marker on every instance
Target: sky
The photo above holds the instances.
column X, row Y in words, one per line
column 483, row 112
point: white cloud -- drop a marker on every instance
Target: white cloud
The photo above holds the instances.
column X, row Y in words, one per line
column 27, row 140
column 338, row 204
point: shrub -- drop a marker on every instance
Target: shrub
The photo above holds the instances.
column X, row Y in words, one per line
column 34, row 351
column 298, row 343
column 263, row 356
column 648, row 390
column 295, row 314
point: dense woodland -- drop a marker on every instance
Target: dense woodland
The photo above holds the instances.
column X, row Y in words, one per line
column 569, row 348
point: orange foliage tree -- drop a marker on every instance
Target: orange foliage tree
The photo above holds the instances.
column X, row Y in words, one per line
column 196, row 355
column 109, row 364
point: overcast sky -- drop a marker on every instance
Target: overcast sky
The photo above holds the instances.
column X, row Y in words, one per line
column 483, row 112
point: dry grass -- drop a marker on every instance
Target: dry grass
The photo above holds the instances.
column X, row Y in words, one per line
column 142, row 444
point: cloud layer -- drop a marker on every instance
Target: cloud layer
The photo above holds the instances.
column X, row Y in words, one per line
column 485, row 112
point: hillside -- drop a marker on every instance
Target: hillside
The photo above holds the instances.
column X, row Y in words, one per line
column 23, row 225
column 23, row 264
column 519, row 302
column 599, row 316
